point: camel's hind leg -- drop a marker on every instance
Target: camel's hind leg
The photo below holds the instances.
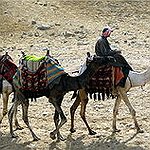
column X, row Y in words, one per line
column 5, row 97
column 115, row 112
column 131, row 109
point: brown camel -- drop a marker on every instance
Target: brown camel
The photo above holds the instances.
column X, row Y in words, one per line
column 134, row 79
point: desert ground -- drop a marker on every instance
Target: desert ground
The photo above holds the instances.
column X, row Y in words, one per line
column 69, row 29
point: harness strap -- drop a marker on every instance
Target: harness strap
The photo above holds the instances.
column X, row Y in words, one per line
column 130, row 81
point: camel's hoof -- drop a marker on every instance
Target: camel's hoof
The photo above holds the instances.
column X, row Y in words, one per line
column 116, row 130
column 91, row 132
column 19, row 128
column 140, row 131
column 36, row 139
column 72, row 130
column 52, row 136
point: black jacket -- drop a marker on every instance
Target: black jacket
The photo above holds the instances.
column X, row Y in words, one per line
column 102, row 48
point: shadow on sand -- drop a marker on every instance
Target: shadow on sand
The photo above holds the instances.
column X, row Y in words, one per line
column 101, row 143
column 8, row 143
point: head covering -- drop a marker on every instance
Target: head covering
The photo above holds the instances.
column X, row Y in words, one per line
column 106, row 31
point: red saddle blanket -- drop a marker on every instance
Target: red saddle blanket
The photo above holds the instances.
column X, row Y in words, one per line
column 34, row 81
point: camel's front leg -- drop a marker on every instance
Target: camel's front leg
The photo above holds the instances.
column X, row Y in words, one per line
column 115, row 112
column 131, row 109
column 56, row 121
column 5, row 97
column 57, row 106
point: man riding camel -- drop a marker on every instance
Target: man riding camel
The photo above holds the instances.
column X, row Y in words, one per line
column 102, row 48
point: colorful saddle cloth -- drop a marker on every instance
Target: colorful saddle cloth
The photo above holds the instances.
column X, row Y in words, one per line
column 36, row 73
column 104, row 81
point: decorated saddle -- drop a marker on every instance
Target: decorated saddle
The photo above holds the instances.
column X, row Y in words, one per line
column 36, row 73
column 104, row 81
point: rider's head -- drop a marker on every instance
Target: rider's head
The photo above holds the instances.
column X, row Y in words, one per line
column 106, row 31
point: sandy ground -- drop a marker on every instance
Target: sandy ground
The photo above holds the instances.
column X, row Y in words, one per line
column 73, row 28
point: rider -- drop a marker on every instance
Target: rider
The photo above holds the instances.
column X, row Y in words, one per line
column 102, row 48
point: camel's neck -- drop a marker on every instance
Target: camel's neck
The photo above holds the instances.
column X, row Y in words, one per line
column 87, row 74
column 139, row 79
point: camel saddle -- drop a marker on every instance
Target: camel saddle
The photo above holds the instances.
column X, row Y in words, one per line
column 104, row 81
column 35, row 74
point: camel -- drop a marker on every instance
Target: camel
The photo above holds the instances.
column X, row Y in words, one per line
column 55, row 95
column 134, row 79
column 7, row 89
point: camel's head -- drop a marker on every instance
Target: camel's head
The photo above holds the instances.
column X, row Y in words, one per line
column 3, row 62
